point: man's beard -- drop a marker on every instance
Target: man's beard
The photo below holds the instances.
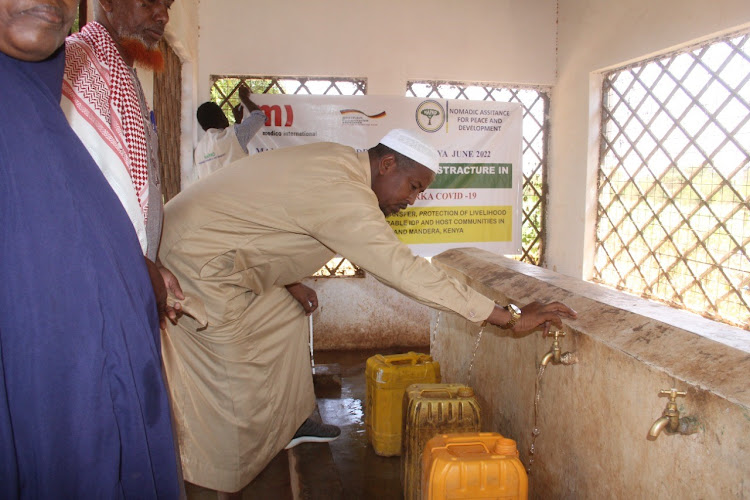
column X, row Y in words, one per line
column 143, row 55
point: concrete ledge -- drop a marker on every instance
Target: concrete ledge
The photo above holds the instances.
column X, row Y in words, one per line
column 594, row 416
column 686, row 346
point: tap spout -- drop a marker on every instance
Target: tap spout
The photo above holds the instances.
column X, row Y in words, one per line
column 658, row 426
column 547, row 358
column 670, row 419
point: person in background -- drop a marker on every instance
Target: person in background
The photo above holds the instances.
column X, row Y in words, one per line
column 84, row 412
column 240, row 379
column 105, row 104
column 222, row 144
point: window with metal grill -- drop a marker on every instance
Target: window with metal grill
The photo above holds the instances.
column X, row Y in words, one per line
column 224, row 89
column 673, row 220
column 535, row 104
column 224, row 92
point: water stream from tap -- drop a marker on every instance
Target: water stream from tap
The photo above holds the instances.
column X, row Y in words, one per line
column 535, row 431
column 474, row 354
column 569, row 358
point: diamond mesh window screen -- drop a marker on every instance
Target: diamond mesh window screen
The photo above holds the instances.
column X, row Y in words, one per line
column 535, row 104
column 224, row 92
column 673, row 219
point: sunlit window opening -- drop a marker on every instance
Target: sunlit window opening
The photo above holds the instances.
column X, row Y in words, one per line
column 224, row 92
column 673, row 219
column 535, row 104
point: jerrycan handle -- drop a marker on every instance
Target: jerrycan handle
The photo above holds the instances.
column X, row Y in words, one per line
column 410, row 358
column 435, row 393
column 467, row 448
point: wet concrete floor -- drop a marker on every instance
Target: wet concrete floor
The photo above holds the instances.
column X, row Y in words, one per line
column 363, row 474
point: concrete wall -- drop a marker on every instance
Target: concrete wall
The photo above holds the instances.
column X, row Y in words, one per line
column 594, row 416
column 595, row 35
column 362, row 313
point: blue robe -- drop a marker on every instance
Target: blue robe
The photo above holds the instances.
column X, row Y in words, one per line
column 83, row 407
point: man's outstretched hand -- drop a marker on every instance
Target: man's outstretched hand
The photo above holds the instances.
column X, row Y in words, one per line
column 534, row 315
column 245, row 98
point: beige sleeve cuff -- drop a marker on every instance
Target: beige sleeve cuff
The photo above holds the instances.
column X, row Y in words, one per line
column 478, row 307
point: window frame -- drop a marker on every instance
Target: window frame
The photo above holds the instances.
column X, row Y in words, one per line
column 681, row 296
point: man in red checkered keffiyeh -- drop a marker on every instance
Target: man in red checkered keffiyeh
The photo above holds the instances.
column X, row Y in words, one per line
column 104, row 102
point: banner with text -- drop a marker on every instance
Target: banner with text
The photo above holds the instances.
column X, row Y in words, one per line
column 475, row 200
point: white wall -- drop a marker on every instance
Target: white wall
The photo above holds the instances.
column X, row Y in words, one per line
column 388, row 41
column 594, row 35
column 182, row 29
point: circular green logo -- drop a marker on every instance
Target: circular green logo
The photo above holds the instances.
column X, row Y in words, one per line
column 430, row 116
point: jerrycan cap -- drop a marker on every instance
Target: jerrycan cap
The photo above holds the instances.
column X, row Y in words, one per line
column 505, row 446
column 465, row 392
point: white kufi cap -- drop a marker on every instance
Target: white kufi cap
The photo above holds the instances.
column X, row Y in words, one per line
column 412, row 146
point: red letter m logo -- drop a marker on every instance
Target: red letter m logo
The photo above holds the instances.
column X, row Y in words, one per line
column 273, row 114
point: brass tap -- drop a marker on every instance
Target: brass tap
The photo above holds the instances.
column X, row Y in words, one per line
column 670, row 419
column 555, row 353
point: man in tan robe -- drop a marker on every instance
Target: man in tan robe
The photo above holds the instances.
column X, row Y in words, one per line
column 240, row 375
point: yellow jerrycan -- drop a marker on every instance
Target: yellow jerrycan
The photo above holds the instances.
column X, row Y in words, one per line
column 387, row 378
column 429, row 410
column 478, row 465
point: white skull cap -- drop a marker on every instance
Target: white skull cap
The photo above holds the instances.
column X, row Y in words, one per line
column 412, row 146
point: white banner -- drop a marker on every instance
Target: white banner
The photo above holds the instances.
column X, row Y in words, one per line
column 475, row 200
